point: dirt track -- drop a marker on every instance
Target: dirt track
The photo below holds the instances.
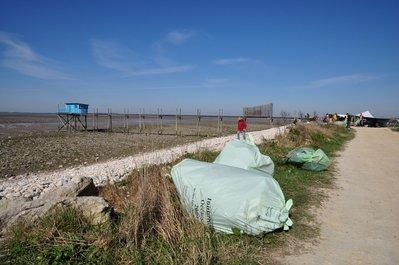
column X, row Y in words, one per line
column 359, row 222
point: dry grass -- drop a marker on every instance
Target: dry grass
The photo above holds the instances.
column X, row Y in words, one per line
column 305, row 134
column 152, row 217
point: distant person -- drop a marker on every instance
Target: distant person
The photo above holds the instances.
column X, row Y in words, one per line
column 361, row 123
column 307, row 116
column 348, row 120
column 241, row 127
column 335, row 117
column 325, row 119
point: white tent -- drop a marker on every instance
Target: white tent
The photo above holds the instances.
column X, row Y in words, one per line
column 366, row 114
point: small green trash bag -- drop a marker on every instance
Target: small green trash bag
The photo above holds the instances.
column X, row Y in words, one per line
column 309, row 158
column 231, row 199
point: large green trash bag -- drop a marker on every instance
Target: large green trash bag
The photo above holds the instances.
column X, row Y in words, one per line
column 309, row 158
column 246, row 155
column 231, row 199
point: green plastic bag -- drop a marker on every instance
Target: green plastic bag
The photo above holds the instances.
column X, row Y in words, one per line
column 231, row 199
column 309, row 158
column 246, row 155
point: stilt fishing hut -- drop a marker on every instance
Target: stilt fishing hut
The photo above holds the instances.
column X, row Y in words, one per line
column 73, row 116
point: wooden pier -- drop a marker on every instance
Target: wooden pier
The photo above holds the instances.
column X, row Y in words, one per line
column 160, row 123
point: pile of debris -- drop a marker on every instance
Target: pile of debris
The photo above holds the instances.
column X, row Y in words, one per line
column 236, row 193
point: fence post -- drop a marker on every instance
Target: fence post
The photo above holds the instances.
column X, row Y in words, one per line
column 198, row 121
column 139, row 120
column 176, row 123
column 158, row 121
column 110, row 119
column 161, row 121
column 94, row 111
column 127, row 120
column 218, row 130
column 143, row 120
column 180, row 120
column 221, row 122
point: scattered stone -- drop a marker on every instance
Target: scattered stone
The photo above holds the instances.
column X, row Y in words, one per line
column 81, row 195
column 95, row 209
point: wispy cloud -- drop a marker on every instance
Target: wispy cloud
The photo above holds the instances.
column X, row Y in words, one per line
column 115, row 56
column 342, row 80
column 20, row 57
column 169, row 41
column 215, row 81
column 207, row 83
column 231, row 61
column 179, row 36
column 163, row 70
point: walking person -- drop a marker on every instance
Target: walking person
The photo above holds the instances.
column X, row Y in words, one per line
column 241, row 127
column 348, row 120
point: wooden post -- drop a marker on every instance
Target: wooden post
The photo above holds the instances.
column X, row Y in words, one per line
column 198, row 122
column 127, row 120
column 140, row 120
column 124, row 120
column 158, row 129
column 109, row 122
column 69, row 123
column 93, row 120
column 143, row 120
column 218, row 130
column 161, row 121
column 176, row 123
column 96, row 119
column 109, row 119
column 180, row 131
column 221, row 122
column 58, row 113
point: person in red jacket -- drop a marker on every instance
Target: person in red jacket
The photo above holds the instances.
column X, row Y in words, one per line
column 241, row 127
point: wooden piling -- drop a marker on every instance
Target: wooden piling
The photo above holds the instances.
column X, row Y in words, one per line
column 96, row 119
column 161, row 121
column 198, row 121
column 176, row 123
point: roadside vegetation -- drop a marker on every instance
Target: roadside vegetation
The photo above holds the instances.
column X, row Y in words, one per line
column 151, row 226
column 395, row 128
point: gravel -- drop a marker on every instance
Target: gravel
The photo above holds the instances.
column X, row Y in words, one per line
column 32, row 185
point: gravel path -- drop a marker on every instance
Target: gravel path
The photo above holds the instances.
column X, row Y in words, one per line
column 32, row 185
column 359, row 223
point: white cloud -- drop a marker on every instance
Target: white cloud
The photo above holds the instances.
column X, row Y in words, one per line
column 342, row 80
column 112, row 55
column 20, row 57
column 216, row 81
column 162, row 70
column 231, row 61
column 179, row 36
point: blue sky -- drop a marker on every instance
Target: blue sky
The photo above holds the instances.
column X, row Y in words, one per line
column 325, row 56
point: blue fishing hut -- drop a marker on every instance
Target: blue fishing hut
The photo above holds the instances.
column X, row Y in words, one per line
column 74, row 109
column 72, row 115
